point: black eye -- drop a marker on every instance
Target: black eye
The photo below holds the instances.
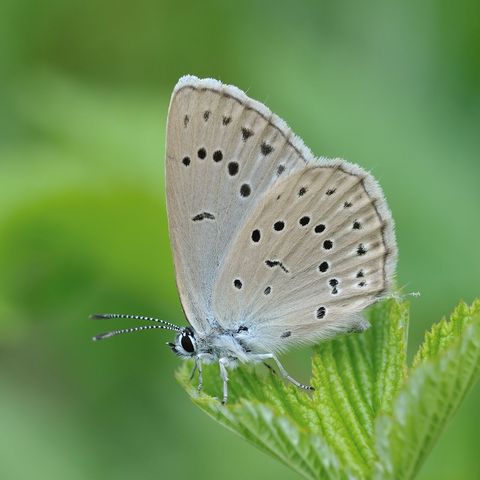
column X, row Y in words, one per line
column 187, row 344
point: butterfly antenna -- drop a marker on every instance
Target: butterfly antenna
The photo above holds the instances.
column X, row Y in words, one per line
column 102, row 336
column 107, row 316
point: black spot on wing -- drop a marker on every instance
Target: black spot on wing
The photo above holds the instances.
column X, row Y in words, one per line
column 203, row 216
column 246, row 133
column 245, row 190
column 232, row 168
column 276, row 263
column 304, row 221
column 266, row 149
column 323, row 267
column 361, row 250
column 327, row 244
column 279, row 226
column 217, row 156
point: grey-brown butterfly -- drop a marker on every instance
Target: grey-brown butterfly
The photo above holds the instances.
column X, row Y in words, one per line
column 273, row 247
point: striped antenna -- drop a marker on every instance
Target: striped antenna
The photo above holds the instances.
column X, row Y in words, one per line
column 102, row 336
column 106, row 316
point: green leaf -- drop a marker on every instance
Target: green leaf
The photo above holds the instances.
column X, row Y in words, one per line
column 269, row 415
column 355, row 377
column 446, row 333
column 445, row 369
column 367, row 417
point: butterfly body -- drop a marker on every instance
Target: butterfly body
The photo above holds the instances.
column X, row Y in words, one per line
column 272, row 246
column 212, row 346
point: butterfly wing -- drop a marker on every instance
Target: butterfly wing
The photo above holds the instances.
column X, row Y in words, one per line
column 316, row 250
column 224, row 151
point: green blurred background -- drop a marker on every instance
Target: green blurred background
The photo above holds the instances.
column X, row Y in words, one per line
column 393, row 86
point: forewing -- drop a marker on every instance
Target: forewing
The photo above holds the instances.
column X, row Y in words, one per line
column 224, row 151
column 314, row 253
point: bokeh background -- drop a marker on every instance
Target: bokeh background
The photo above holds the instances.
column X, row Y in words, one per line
column 84, row 90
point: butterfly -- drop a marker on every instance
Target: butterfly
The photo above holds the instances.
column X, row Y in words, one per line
column 272, row 246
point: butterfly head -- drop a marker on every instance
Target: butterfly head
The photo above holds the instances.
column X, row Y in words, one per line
column 185, row 344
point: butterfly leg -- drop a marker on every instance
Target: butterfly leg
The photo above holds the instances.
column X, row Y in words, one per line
column 193, row 371
column 198, row 364
column 224, row 375
column 283, row 372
